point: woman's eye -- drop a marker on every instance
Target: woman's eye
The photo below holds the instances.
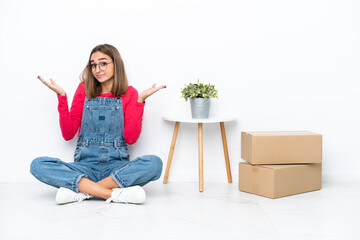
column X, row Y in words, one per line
column 103, row 64
column 93, row 65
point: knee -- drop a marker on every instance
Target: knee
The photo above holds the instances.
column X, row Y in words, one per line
column 155, row 164
column 37, row 165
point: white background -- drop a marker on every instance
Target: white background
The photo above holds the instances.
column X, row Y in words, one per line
column 278, row 65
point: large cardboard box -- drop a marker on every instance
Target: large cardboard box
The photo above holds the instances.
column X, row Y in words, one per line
column 276, row 181
column 281, row 147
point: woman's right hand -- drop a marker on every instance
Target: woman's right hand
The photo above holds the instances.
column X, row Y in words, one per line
column 53, row 86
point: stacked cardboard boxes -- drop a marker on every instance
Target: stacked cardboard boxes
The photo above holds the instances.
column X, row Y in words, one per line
column 280, row 163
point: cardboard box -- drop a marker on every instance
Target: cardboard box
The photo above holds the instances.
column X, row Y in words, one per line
column 281, row 147
column 276, row 181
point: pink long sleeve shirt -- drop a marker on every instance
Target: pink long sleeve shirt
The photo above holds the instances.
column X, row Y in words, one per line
column 70, row 121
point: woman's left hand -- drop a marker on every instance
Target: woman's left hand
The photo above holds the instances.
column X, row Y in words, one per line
column 148, row 92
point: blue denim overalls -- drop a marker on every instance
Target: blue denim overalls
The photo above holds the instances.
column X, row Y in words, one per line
column 101, row 151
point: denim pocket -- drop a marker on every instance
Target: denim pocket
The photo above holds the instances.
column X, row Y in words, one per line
column 77, row 154
column 124, row 153
column 104, row 119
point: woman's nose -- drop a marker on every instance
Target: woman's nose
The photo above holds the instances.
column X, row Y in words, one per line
column 97, row 68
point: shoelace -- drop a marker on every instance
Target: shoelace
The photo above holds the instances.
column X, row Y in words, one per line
column 81, row 197
column 117, row 195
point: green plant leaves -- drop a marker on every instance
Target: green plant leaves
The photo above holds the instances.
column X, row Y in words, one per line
column 199, row 90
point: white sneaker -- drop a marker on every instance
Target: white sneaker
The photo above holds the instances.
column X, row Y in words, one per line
column 134, row 194
column 65, row 195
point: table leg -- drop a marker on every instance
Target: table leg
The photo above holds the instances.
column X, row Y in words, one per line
column 201, row 176
column 226, row 154
column 172, row 147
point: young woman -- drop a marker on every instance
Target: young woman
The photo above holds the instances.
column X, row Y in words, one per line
column 108, row 113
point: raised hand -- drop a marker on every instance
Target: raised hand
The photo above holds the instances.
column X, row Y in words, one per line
column 148, row 92
column 53, row 86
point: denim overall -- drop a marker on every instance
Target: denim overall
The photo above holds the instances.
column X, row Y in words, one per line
column 101, row 151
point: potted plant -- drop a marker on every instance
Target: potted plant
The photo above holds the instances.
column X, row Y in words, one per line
column 200, row 97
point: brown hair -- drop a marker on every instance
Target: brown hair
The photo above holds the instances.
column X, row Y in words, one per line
column 92, row 86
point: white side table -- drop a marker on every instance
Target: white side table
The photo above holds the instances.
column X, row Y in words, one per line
column 188, row 119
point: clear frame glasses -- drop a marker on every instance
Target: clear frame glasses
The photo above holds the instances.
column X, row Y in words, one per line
column 102, row 66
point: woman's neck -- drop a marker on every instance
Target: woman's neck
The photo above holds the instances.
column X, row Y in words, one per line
column 106, row 86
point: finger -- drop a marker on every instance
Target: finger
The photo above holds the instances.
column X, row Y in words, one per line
column 52, row 81
column 41, row 79
column 160, row 87
column 157, row 89
column 153, row 86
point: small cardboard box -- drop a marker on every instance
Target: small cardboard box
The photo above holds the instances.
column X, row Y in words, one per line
column 281, row 147
column 274, row 181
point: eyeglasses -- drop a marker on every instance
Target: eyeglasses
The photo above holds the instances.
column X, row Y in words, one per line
column 102, row 66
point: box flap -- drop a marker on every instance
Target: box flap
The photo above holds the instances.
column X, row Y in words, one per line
column 274, row 166
column 281, row 133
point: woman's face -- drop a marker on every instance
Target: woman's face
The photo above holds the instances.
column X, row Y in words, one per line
column 102, row 67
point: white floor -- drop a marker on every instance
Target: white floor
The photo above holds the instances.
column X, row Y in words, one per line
column 179, row 211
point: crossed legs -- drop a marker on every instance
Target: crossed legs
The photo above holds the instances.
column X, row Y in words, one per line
column 101, row 189
column 80, row 178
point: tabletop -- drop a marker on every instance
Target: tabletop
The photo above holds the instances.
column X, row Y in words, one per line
column 189, row 119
